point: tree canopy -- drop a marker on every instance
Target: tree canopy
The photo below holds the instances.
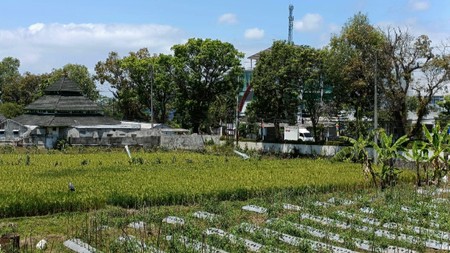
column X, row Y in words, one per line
column 352, row 65
column 205, row 70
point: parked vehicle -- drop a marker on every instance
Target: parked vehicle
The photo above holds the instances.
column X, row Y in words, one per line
column 295, row 133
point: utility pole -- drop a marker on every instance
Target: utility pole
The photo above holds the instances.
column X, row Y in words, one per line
column 152, row 74
column 375, row 111
column 236, row 131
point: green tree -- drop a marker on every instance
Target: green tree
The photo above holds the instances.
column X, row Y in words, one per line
column 315, row 99
column 277, row 81
column 110, row 107
column 164, row 91
column 135, row 77
column 152, row 77
column 139, row 70
column 204, row 70
column 25, row 89
column 443, row 118
column 11, row 110
column 9, row 73
column 111, row 71
column 352, row 64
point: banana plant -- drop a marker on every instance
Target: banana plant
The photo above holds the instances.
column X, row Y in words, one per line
column 419, row 154
column 358, row 152
column 388, row 151
column 437, row 145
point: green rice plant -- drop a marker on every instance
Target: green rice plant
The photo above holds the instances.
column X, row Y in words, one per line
column 109, row 179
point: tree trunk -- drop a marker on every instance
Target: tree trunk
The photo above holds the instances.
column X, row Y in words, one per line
column 418, row 174
column 417, row 129
column 277, row 130
column 195, row 127
column 400, row 120
column 368, row 169
column 314, row 127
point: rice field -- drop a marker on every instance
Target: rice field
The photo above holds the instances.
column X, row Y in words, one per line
column 37, row 184
column 206, row 202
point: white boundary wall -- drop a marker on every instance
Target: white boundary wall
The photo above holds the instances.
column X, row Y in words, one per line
column 304, row 149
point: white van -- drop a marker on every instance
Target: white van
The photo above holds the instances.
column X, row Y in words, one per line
column 295, row 133
column 304, row 134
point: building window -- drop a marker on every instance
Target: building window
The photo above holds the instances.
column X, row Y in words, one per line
column 436, row 99
column 2, row 132
column 16, row 132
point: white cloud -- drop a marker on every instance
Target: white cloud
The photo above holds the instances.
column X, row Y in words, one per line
column 309, row 22
column 254, row 34
column 419, row 5
column 34, row 28
column 228, row 18
column 43, row 47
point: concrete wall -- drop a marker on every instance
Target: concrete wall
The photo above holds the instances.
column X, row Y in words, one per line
column 146, row 141
column 193, row 142
column 321, row 150
column 304, row 149
column 11, row 131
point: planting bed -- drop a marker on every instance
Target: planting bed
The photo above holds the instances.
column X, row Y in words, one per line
column 395, row 221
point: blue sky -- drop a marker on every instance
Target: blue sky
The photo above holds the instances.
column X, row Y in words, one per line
column 48, row 34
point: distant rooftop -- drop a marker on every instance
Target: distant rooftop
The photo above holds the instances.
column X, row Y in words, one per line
column 64, row 105
column 63, row 85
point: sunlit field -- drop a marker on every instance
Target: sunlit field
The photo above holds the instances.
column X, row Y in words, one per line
column 212, row 202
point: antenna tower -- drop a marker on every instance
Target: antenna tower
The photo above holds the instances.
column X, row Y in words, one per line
column 291, row 23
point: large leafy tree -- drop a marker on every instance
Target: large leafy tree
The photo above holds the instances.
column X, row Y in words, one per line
column 111, row 71
column 10, row 110
column 9, row 72
column 276, row 85
column 139, row 70
column 135, row 77
column 25, row 89
column 204, row 70
column 164, row 87
column 352, row 64
column 283, row 77
column 315, row 100
column 406, row 55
